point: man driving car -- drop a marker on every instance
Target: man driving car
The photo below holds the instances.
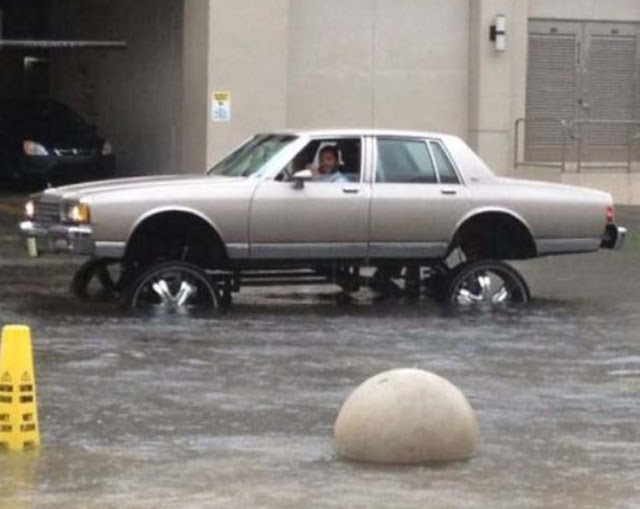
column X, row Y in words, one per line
column 328, row 169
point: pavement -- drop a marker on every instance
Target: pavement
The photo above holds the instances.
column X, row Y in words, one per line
column 237, row 411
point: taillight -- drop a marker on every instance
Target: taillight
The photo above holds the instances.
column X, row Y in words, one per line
column 610, row 214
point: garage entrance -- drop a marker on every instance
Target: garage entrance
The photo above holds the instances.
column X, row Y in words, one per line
column 584, row 74
column 116, row 63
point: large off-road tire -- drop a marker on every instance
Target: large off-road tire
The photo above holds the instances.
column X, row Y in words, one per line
column 485, row 283
column 173, row 287
column 93, row 281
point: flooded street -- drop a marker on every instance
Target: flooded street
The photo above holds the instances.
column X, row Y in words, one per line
column 237, row 411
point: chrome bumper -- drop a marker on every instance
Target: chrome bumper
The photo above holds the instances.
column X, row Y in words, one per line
column 613, row 237
column 57, row 238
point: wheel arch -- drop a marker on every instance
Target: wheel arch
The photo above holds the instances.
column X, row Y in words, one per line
column 498, row 216
column 187, row 214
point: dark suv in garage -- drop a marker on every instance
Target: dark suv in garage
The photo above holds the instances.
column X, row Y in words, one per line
column 45, row 142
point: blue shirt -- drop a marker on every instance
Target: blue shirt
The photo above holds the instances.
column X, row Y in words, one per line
column 332, row 177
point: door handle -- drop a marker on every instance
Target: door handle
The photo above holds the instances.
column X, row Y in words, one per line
column 448, row 191
column 350, row 190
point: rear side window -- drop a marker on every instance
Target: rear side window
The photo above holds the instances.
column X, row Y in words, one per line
column 445, row 167
column 404, row 161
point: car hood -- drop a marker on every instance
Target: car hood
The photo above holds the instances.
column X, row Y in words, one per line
column 172, row 182
column 51, row 138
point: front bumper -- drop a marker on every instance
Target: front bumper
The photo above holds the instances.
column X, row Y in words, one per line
column 57, row 238
column 613, row 237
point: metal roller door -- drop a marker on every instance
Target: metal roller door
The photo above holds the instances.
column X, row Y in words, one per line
column 583, row 71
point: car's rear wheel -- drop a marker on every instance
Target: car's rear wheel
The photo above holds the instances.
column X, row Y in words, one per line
column 173, row 287
column 486, row 283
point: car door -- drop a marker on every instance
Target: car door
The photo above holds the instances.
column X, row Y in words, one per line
column 315, row 220
column 417, row 198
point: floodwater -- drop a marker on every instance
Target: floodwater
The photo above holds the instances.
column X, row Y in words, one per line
column 237, row 411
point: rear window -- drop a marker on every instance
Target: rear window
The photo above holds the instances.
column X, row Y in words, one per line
column 446, row 171
column 404, row 161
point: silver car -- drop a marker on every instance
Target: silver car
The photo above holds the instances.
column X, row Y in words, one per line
column 414, row 212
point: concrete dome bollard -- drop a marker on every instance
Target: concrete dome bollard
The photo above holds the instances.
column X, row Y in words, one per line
column 406, row 416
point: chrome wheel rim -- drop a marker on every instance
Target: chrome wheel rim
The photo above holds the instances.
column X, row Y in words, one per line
column 484, row 287
column 174, row 290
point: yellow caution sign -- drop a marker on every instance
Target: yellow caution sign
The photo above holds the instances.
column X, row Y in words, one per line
column 18, row 411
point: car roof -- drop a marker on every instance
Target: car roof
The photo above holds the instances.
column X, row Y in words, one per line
column 361, row 132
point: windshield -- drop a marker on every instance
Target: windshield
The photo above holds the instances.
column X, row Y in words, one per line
column 251, row 157
column 53, row 117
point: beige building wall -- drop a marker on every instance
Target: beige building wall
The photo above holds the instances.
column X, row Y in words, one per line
column 248, row 53
column 414, row 64
column 322, row 63
column 593, row 10
column 235, row 47
column 496, row 80
column 379, row 63
column 330, row 63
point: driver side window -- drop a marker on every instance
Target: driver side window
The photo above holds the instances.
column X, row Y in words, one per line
column 329, row 159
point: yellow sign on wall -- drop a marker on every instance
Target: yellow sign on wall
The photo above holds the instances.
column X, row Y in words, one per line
column 221, row 106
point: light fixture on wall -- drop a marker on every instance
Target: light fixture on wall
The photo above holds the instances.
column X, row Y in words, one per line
column 498, row 32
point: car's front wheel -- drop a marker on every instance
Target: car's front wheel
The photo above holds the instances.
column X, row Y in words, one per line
column 486, row 283
column 93, row 281
column 173, row 287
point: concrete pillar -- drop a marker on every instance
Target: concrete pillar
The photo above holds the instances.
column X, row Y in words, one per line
column 195, row 64
column 237, row 47
column 497, row 80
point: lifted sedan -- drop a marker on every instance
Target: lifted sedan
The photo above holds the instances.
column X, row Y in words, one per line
column 420, row 209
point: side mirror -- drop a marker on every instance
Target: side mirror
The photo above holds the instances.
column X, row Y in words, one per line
column 300, row 177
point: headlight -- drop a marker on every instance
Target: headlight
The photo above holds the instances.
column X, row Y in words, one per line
column 29, row 209
column 107, row 149
column 78, row 213
column 32, row 148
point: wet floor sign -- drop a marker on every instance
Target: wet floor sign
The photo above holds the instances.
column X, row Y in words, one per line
column 18, row 412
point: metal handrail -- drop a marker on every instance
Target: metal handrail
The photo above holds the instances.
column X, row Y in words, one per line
column 630, row 141
column 521, row 121
column 569, row 128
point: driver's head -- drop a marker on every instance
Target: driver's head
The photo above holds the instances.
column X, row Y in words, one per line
column 328, row 160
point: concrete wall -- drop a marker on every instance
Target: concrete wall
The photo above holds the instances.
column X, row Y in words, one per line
column 134, row 96
column 248, row 53
column 237, row 47
column 496, row 80
column 379, row 63
column 595, row 10
column 326, row 63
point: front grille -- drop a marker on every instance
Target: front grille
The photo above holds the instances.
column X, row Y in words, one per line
column 46, row 212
